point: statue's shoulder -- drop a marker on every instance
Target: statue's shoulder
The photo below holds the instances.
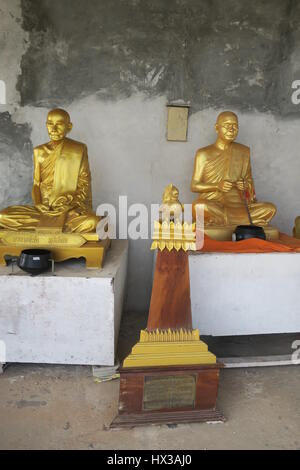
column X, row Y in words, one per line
column 40, row 148
column 204, row 152
column 74, row 144
column 241, row 149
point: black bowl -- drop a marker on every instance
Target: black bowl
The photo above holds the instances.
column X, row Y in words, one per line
column 35, row 261
column 244, row 232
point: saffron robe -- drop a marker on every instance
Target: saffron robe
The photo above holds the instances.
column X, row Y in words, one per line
column 62, row 171
column 212, row 166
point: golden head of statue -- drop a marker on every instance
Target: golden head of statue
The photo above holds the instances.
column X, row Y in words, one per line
column 171, row 208
column 223, row 180
column 61, row 190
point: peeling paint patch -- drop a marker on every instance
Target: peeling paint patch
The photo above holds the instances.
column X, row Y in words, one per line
column 15, row 162
column 257, row 79
column 2, row 92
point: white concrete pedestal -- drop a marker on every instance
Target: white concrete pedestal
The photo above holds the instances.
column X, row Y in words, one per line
column 72, row 317
column 245, row 294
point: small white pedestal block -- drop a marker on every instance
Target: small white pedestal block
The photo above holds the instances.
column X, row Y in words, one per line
column 71, row 317
column 245, row 294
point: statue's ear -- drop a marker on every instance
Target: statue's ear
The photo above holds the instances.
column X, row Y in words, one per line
column 70, row 127
column 217, row 127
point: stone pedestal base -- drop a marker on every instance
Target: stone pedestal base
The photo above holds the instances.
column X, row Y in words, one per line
column 245, row 293
column 71, row 317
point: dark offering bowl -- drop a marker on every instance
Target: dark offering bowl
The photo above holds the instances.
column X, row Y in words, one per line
column 35, row 261
column 244, row 232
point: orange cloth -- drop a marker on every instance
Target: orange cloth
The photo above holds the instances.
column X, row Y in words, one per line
column 284, row 244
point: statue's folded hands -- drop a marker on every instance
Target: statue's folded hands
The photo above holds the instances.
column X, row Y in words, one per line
column 225, row 186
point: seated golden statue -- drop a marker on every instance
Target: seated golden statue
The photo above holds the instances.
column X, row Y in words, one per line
column 297, row 228
column 222, row 177
column 62, row 185
column 171, row 206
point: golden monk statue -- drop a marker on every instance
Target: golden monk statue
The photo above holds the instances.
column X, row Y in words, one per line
column 171, row 206
column 297, row 228
column 222, row 177
column 62, row 185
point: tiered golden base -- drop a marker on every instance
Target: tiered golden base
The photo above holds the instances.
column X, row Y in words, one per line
column 169, row 347
column 63, row 246
column 225, row 233
column 174, row 236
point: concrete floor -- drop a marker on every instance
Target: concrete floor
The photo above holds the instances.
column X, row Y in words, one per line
column 63, row 407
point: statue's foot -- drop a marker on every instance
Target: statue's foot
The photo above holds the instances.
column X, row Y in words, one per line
column 91, row 236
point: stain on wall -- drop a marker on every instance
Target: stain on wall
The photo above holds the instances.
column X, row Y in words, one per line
column 15, row 161
column 213, row 53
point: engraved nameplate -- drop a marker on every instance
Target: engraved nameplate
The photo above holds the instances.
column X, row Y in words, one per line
column 173, row 391
column 41, row 239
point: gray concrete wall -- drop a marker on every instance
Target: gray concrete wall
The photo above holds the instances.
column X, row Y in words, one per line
column 115, row 64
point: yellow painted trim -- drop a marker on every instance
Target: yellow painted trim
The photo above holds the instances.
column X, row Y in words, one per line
column 168, row 352
column 169, row 335
column 174, row 235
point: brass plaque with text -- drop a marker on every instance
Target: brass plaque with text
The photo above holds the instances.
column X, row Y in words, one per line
column 173, row 391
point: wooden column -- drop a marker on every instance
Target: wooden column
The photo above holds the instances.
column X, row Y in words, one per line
column 170, row 305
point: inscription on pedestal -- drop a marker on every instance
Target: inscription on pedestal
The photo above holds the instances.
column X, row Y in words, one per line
column 41, row 238
column 173, row 391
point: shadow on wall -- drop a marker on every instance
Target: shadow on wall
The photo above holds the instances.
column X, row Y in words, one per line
column 15, row 162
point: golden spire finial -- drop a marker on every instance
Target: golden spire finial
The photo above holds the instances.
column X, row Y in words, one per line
column 171, row 208
column 170, row 231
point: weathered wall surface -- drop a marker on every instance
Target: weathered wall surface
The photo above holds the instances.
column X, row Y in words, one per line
column 115, row 64
column 209, row 52
column 15, row 139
